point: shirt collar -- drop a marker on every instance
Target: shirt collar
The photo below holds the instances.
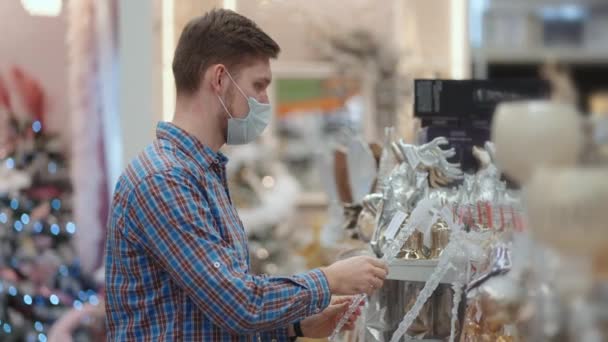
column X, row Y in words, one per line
column 190, row 145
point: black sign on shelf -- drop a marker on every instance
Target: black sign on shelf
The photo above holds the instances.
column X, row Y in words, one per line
column 458, row 99
column 462, row 110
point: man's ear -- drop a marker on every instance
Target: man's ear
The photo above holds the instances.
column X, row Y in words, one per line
column 216, row 74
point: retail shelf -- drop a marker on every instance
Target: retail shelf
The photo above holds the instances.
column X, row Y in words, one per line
column 535, row 55
column 527, row 6
column 416, row 270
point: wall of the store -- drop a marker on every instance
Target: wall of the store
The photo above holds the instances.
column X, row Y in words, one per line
column 424, row 30
column 432, row 30
column 298, row 25
column 170, row 17
column 421, row 29
column 38, row 45
column 137, row 76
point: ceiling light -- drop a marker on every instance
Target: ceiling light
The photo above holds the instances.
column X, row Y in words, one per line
column 45, row 8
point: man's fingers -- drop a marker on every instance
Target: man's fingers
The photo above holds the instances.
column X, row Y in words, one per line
column 378, row 263
column 340, row 300
column 376, row 283
column 336, row 309
column 379, row 272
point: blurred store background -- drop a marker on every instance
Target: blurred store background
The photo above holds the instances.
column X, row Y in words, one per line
column 84, row 82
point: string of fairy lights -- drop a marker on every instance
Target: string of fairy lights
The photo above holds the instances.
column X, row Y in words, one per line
column 18, row 222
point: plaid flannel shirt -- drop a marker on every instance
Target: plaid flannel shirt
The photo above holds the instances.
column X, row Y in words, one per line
column 177, row 264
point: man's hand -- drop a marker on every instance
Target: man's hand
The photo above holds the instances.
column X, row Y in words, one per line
column 323, row 324
column 361, row 274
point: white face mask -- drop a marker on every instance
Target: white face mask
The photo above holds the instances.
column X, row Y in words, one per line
column 244, row 130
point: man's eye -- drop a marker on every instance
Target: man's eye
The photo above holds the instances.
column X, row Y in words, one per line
column 259, row 86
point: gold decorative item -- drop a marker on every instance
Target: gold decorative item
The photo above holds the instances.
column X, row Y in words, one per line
column 412, row 248
column 472, row 328
column 440, row 237
column 501, row 300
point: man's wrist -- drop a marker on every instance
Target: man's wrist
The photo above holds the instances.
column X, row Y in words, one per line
column 330, row 280
column 294, row 331
column 297, row 328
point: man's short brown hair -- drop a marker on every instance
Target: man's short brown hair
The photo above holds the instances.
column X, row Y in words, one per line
column 219, row 36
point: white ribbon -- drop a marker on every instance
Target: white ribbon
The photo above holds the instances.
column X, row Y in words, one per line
column 444, row 265
column 420, row 217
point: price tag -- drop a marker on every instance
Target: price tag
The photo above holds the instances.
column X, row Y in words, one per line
column 393, row 226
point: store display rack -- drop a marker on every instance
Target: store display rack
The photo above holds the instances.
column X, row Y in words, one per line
column 416, row 270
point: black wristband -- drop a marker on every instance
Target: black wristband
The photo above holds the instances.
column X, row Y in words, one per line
column 298, row 329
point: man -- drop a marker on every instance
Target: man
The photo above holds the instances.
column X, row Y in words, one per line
column 177, row 266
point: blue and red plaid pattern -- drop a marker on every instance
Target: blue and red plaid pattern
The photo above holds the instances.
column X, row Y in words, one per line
column 177, row 265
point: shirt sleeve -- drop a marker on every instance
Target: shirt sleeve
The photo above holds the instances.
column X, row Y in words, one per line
column 170, row 218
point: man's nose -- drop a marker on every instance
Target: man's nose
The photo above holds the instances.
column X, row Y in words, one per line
column 263, row 98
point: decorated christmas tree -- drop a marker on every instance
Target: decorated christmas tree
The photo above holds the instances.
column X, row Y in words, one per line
column 265, row 194
column 40, row 277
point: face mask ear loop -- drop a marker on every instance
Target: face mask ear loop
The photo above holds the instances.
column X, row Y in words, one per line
column 236, row 85
column 223, row 105
column 222, row 101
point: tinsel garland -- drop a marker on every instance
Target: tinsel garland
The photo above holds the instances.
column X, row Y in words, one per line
column 85, row 107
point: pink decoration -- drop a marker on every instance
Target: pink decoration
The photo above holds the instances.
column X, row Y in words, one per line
column 5, row 99
column 31, row 93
